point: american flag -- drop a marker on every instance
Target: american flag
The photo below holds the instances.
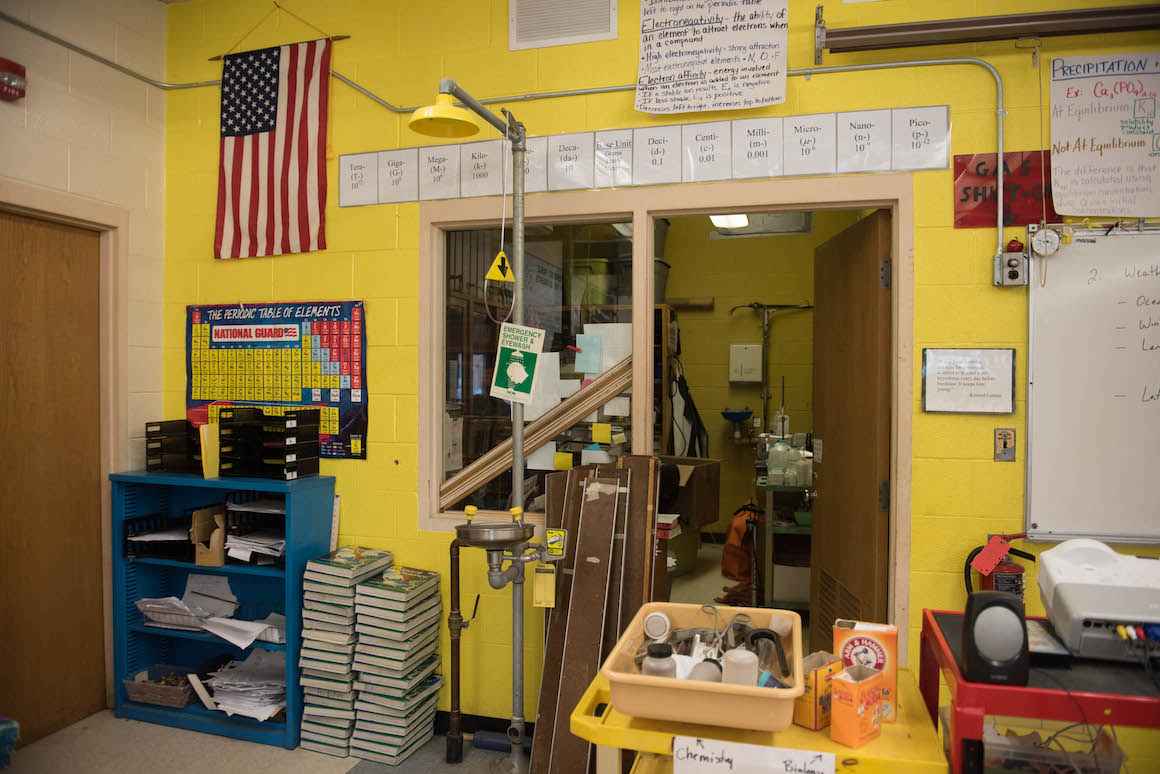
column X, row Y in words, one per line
column 272, row 174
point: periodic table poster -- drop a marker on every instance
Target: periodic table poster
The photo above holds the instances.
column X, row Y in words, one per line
column 306, row 354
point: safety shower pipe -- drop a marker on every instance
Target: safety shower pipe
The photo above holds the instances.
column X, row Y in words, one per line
column 455, row 625
column 793, row 72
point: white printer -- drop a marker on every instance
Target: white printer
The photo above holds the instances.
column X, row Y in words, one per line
column 1089, row 590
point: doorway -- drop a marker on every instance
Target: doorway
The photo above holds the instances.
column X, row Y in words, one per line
column 784, row 355
column 51, row 555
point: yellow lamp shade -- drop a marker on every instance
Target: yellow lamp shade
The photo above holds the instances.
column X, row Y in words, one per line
column 443, row 119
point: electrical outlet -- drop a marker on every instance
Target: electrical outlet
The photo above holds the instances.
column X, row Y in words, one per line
column 1004, row 444
column 1011, row 270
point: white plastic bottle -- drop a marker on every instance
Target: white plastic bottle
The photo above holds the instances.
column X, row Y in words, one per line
column 740, row 667
column 779, row 455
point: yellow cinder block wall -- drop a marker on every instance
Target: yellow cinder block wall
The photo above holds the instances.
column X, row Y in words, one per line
column 400, row 50
column 772, row 270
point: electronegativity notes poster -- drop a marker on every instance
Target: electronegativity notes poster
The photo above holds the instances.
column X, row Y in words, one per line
column 301, row 354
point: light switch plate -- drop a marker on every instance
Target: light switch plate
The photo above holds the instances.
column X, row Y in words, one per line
column 1004, row 444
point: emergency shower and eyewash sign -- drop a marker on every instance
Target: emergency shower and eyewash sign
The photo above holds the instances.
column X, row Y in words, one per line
column 1105, row 135
column 515, row 362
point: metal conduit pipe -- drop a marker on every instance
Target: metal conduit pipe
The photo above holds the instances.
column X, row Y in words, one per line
column 793, row 72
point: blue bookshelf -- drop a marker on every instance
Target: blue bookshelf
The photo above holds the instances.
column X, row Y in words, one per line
column 260, row 591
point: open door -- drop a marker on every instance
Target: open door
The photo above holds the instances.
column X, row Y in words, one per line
column 852, row 373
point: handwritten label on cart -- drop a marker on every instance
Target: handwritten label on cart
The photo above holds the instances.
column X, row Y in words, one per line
column 694, row 755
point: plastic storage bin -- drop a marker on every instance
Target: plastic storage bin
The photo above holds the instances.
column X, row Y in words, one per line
column 689, row 701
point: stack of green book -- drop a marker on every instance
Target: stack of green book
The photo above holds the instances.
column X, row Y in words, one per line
column 397, row 619
column 328, row 645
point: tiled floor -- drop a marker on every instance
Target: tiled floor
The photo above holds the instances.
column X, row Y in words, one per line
column 103, row 744
column 704, row 581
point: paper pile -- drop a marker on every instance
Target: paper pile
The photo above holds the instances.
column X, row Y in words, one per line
column 266, row 542
column 205, row 596
column 255, row 688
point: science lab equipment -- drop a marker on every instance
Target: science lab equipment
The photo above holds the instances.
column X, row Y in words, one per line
column 659, row 661
column 708, row 670
column 740, row 667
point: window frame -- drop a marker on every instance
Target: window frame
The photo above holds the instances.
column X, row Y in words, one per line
column 893, row 191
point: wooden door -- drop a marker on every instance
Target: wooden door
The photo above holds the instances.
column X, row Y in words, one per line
column 51, row 609
column 852, row 373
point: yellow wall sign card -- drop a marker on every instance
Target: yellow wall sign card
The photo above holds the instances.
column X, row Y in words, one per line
column 555, row 540
column 501, row 269
column 601, row 432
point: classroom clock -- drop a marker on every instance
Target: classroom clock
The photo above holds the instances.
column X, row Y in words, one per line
column 1045, row 242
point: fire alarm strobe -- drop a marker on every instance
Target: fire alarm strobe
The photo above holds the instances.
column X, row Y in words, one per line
column 12, row 80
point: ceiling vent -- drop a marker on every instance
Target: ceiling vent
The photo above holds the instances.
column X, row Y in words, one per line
column 543, row 23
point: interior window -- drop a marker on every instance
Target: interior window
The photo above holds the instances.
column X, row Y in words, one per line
column 578, row 289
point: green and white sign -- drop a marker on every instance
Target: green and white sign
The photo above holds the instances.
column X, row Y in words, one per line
column 515, row 366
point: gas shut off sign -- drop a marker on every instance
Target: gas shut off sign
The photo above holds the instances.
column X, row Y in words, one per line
column 515, row 362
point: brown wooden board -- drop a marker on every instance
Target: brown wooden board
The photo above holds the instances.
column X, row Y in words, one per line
column 614, row 603
column 580, row 657
column 569, row 498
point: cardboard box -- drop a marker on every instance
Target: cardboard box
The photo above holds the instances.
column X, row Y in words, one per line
column 856, row 712
column 872, row 645
column 207, row 532
column 812, row 709
column 699, row 498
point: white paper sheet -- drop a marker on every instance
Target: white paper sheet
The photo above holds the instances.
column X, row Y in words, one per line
column 543, row 458
column 358, row 179
column 594, row 456
column 398, row 175
column 161, row 536
column 439, row 172
column 864, row 141
column 546, row 394
column 809, row 145
column 613, row 158
column 208, row 595
column 619, row 407
column 921, row 138
column 571, row 161
column 616, row 341
column 757, row 147
column 1105, row 134
column 708, row 151
column 685, row 46
column 238, row 633
column 481, row 166
column 692, row 755
column 656, row 155
column 569, row 387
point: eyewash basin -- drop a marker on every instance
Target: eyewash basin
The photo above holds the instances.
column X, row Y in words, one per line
column 494, row 536
column 737, row 415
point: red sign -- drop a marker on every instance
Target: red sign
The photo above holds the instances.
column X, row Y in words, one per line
column 1026, row 175
column 13, row 79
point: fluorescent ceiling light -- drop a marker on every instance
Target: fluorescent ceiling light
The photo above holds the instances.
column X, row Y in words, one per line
column 624, row 229
column 740, row 220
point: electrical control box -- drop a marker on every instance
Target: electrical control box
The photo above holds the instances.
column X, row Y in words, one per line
column 1011, row 269
column 745, row 363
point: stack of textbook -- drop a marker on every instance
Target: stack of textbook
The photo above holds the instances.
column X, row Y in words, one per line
column 397, row 617
column 328, row 645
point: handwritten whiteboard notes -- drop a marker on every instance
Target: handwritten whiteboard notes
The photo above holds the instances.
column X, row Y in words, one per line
column 864, row 141
column 757, row 147
column 809, row 145
column 968, row 381
column 439, row 172
column 358, row 176
column 692, row 755
column 922, row 137
column 656, row 155
column 1105, row 135
column 570, row 161
column 699, row 55
column 399, row 175
column 613, row 158
column 708, row 151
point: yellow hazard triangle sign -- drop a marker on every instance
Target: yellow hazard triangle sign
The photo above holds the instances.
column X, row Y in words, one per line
column 501, row 269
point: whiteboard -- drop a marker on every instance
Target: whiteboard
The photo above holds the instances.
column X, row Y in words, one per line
column 1094, row 389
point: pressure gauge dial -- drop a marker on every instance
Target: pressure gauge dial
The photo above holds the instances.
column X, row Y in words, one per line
column 1045, row 241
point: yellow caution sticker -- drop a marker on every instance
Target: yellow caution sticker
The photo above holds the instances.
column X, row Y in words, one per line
column 501, row 269
column 555, row 540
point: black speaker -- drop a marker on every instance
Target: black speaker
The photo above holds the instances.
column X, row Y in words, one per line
column 995, row 639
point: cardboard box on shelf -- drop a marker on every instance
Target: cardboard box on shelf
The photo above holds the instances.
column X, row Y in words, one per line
column 207, row 532
column 856, row 713
column 873, row 645
column 812, row 709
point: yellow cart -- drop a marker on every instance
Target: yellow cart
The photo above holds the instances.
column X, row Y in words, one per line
column 909, row 745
